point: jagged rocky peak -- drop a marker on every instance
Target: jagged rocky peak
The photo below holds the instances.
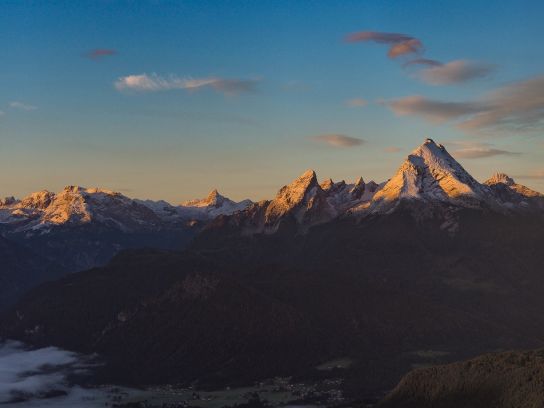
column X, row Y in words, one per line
column 213, row 205
column 500, row 178
column 213, row 199
column 332, row 188
column 73, row 189
column 79, row 190
column 372, row 186
column 502, row 184
column 430, row 172
column 358, row 188
column 327, row 184
column 38, row 200
column 7, row 201
column 304, row 199
column 294, row 193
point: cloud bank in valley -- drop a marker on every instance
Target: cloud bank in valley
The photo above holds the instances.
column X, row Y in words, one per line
column 22, row 371
column 31, row 375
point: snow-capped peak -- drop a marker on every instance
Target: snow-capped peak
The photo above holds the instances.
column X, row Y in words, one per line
column 213, row 199
column 500, row 178
column 304, row 199
column 302, row 188
column 39, row 199
column 75, row 205
column 511, row 192
column 431, row 173
column 213, row 205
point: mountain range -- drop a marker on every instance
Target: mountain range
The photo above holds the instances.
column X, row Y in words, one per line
column 79, row 228
column 430, row 266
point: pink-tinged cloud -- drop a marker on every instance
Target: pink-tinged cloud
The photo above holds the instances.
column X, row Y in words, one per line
column 432, row 110
column 392, row 149
column 100, row 53
column 422, row 61
column 154, row 83
column 469, row 149
column 338, row 140
column 378, row 37
column 412, row 46
column 481, row 152
column 455, row 72
column 400, row 44
column 518, row 107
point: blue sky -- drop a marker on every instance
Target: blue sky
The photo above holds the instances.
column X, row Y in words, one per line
column 170, row 99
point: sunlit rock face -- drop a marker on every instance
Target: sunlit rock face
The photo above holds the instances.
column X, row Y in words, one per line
column 430, row 173
column 514, row 196
column 75, row 205
column 298, row 206
column 430, row 184
column 303, row 199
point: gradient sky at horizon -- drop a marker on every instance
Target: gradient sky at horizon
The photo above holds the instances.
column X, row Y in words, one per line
column 285, row 92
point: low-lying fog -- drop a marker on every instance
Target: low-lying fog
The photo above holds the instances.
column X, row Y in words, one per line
column 49, row 377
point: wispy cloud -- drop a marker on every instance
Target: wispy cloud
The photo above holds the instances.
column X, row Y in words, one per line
column 412, row 46
column 392, row 149
column 481, row 152
column 100, row 53
column 433, row 72
column 356, row 102
column 338, row 140
column 455, row 72
column 2, row 113
column 433, row 110
column 154, row 83
column 518, row 107
column 399, row 44
column 470, row 149
column 22, row 106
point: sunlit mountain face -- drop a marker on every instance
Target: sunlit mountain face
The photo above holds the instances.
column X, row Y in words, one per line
column 272, row 204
